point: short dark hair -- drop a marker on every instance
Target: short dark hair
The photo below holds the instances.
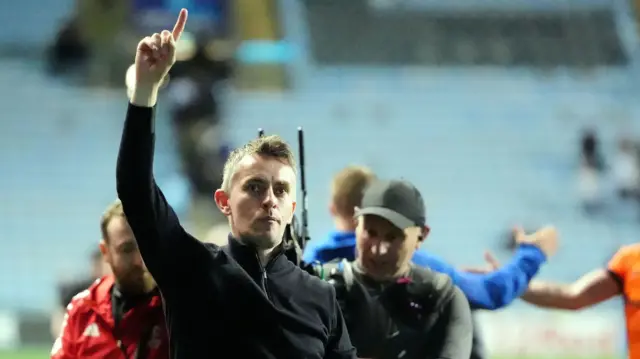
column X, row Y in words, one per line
column 268, row 146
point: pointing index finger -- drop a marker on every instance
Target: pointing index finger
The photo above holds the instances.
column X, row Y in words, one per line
column 178, row 28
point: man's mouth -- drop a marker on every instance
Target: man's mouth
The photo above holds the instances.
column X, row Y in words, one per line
column 378, row 263
column 270, row 219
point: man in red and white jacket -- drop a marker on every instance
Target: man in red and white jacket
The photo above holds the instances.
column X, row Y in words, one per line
column 120, row 315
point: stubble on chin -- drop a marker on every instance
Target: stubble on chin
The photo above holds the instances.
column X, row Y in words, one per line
column 260, row 241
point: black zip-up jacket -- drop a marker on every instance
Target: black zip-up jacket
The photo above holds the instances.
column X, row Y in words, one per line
column 221, row 302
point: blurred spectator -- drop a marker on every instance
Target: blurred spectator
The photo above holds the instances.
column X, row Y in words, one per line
column 67, row 51
column 125, row 304
column 68, row 290
column 591, row 167
column 626, row 174
column 100, row 24
column 591, row 155
column 195, row 93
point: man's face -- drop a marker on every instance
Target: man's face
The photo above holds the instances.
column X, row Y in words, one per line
column 384, row 251
column 121, row 252
column 261, row 200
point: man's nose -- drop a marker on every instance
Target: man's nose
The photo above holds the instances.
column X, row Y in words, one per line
column 137, row 261
column 269, row 199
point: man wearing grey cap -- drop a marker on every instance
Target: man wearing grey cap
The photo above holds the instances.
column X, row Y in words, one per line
column 393, row 308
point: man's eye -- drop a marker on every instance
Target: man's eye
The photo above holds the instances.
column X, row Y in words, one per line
column 254, row 187
column 280, row 191
column 129, row 248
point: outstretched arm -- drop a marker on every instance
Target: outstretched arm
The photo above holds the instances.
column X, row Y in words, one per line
column 593, row 288
column 160, row 237
column 494, row 289
column 499, row 288
column 166, row 248
column 590, row 289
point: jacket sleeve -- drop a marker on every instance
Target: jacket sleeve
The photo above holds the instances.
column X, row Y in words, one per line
column 64, row 346
column 166, row 248
column 496, row 289
column 310, row 253
column 456, row 328
column 339, row 345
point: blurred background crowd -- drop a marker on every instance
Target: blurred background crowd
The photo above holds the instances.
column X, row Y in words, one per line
column 502, row 112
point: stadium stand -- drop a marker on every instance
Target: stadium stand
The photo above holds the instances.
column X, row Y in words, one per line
column 490, row 134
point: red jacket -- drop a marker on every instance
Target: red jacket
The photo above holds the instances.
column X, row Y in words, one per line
column 88, row 329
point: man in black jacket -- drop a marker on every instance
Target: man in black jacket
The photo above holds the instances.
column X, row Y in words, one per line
column 244, row 300
column 394, row 308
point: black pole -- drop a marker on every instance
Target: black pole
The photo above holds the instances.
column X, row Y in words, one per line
column 304, row 236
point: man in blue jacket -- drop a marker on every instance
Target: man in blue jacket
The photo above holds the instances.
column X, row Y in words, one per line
column 491, row 290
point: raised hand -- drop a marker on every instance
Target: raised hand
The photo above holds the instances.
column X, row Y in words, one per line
column 492, row 264
column 156, row 54
column 546, row 239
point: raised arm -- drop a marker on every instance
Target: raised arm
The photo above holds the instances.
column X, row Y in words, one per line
column 592, row 288
column 497, row 288
column 166, row 248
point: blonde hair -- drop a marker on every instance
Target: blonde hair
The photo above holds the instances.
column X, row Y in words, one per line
column 113, row 210
column 348, row 187
column 267, row 146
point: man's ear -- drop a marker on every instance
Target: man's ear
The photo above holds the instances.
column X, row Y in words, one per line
column 104, row 250
column 332, row 209
column 425, row 233
column 222, row 201
column 355, row 219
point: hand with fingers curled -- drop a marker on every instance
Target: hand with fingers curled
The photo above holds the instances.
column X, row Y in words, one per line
column 545, row 238
column 492, row 264
column 155, row 55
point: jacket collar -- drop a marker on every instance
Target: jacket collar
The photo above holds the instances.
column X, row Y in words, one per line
column 100, row 298
column 247, row 257
column 130, row 301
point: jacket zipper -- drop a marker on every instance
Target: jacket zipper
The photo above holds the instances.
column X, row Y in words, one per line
column 265, row 286
column 263, row 277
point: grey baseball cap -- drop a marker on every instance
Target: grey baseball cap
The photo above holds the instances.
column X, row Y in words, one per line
column 397, row 201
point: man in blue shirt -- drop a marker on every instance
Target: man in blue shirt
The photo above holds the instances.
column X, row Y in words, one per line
column 491, row 290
